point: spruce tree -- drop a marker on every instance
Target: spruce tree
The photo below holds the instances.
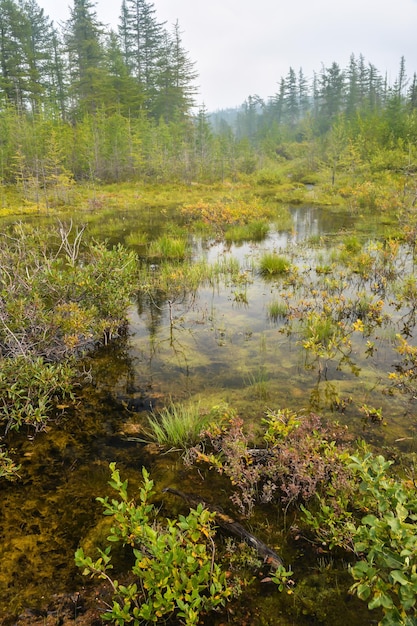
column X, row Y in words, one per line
column 142, row 38
column 86, row 57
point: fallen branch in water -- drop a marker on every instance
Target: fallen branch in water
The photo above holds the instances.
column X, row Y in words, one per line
column 231, row 526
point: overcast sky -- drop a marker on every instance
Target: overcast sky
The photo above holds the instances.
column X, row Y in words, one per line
column 243, row 47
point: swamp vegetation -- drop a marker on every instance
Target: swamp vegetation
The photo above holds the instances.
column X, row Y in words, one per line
column 273, row 375
column 223, row 308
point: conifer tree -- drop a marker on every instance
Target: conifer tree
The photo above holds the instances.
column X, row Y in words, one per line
column 175, row 79
column 291, row 99
column 38, row 49
column 14, row 35
column 85, row 52
column 121, row 93
column 142, row 39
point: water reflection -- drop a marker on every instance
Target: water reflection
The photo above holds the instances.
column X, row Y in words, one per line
column 212, row 346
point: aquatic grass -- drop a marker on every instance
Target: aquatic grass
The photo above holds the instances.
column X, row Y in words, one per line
column 178, row 425
column 136, row 238
column 277, row 309
column 272, row 264
column 173, row 277
column 257, row 384
column 253, row 231
column 167, row 247
column 226, row 266
column 315, row 240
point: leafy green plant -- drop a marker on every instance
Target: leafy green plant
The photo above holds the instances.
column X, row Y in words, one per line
column 8, row 468
column 282, row 577
column 384, row 540
column 174, row 570
column 386, row 575
column 31, row 389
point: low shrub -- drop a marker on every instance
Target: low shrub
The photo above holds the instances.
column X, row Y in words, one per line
column 174, row 570
column 376, row 519
column 299, row 460
column 30, row 389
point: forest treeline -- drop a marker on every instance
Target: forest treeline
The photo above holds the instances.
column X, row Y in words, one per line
column 80, row 101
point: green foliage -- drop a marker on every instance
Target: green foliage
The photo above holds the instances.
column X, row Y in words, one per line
column 384, row 540
column 279, row 424
column 323, row 336
column 58, row 300
column 31, row 389
column 254, row 231
column 282, row 577
column 277, row 309
column 386, row 576
column 167, row 247
column 8, row 468
column 174, row 563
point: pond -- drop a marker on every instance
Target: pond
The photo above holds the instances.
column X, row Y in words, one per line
column 220, row 343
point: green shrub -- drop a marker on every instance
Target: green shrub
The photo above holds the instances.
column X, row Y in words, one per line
column 384, row 540
column 174, row 568
column 59, row 297
column 30, row 389
column 8, row 468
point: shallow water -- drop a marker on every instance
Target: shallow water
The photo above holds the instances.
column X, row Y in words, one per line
column 217, row 345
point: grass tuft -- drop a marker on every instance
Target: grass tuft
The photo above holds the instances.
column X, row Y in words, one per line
column 167, row 247
column 178, row 425
column 277, row 309
column 272, row 264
